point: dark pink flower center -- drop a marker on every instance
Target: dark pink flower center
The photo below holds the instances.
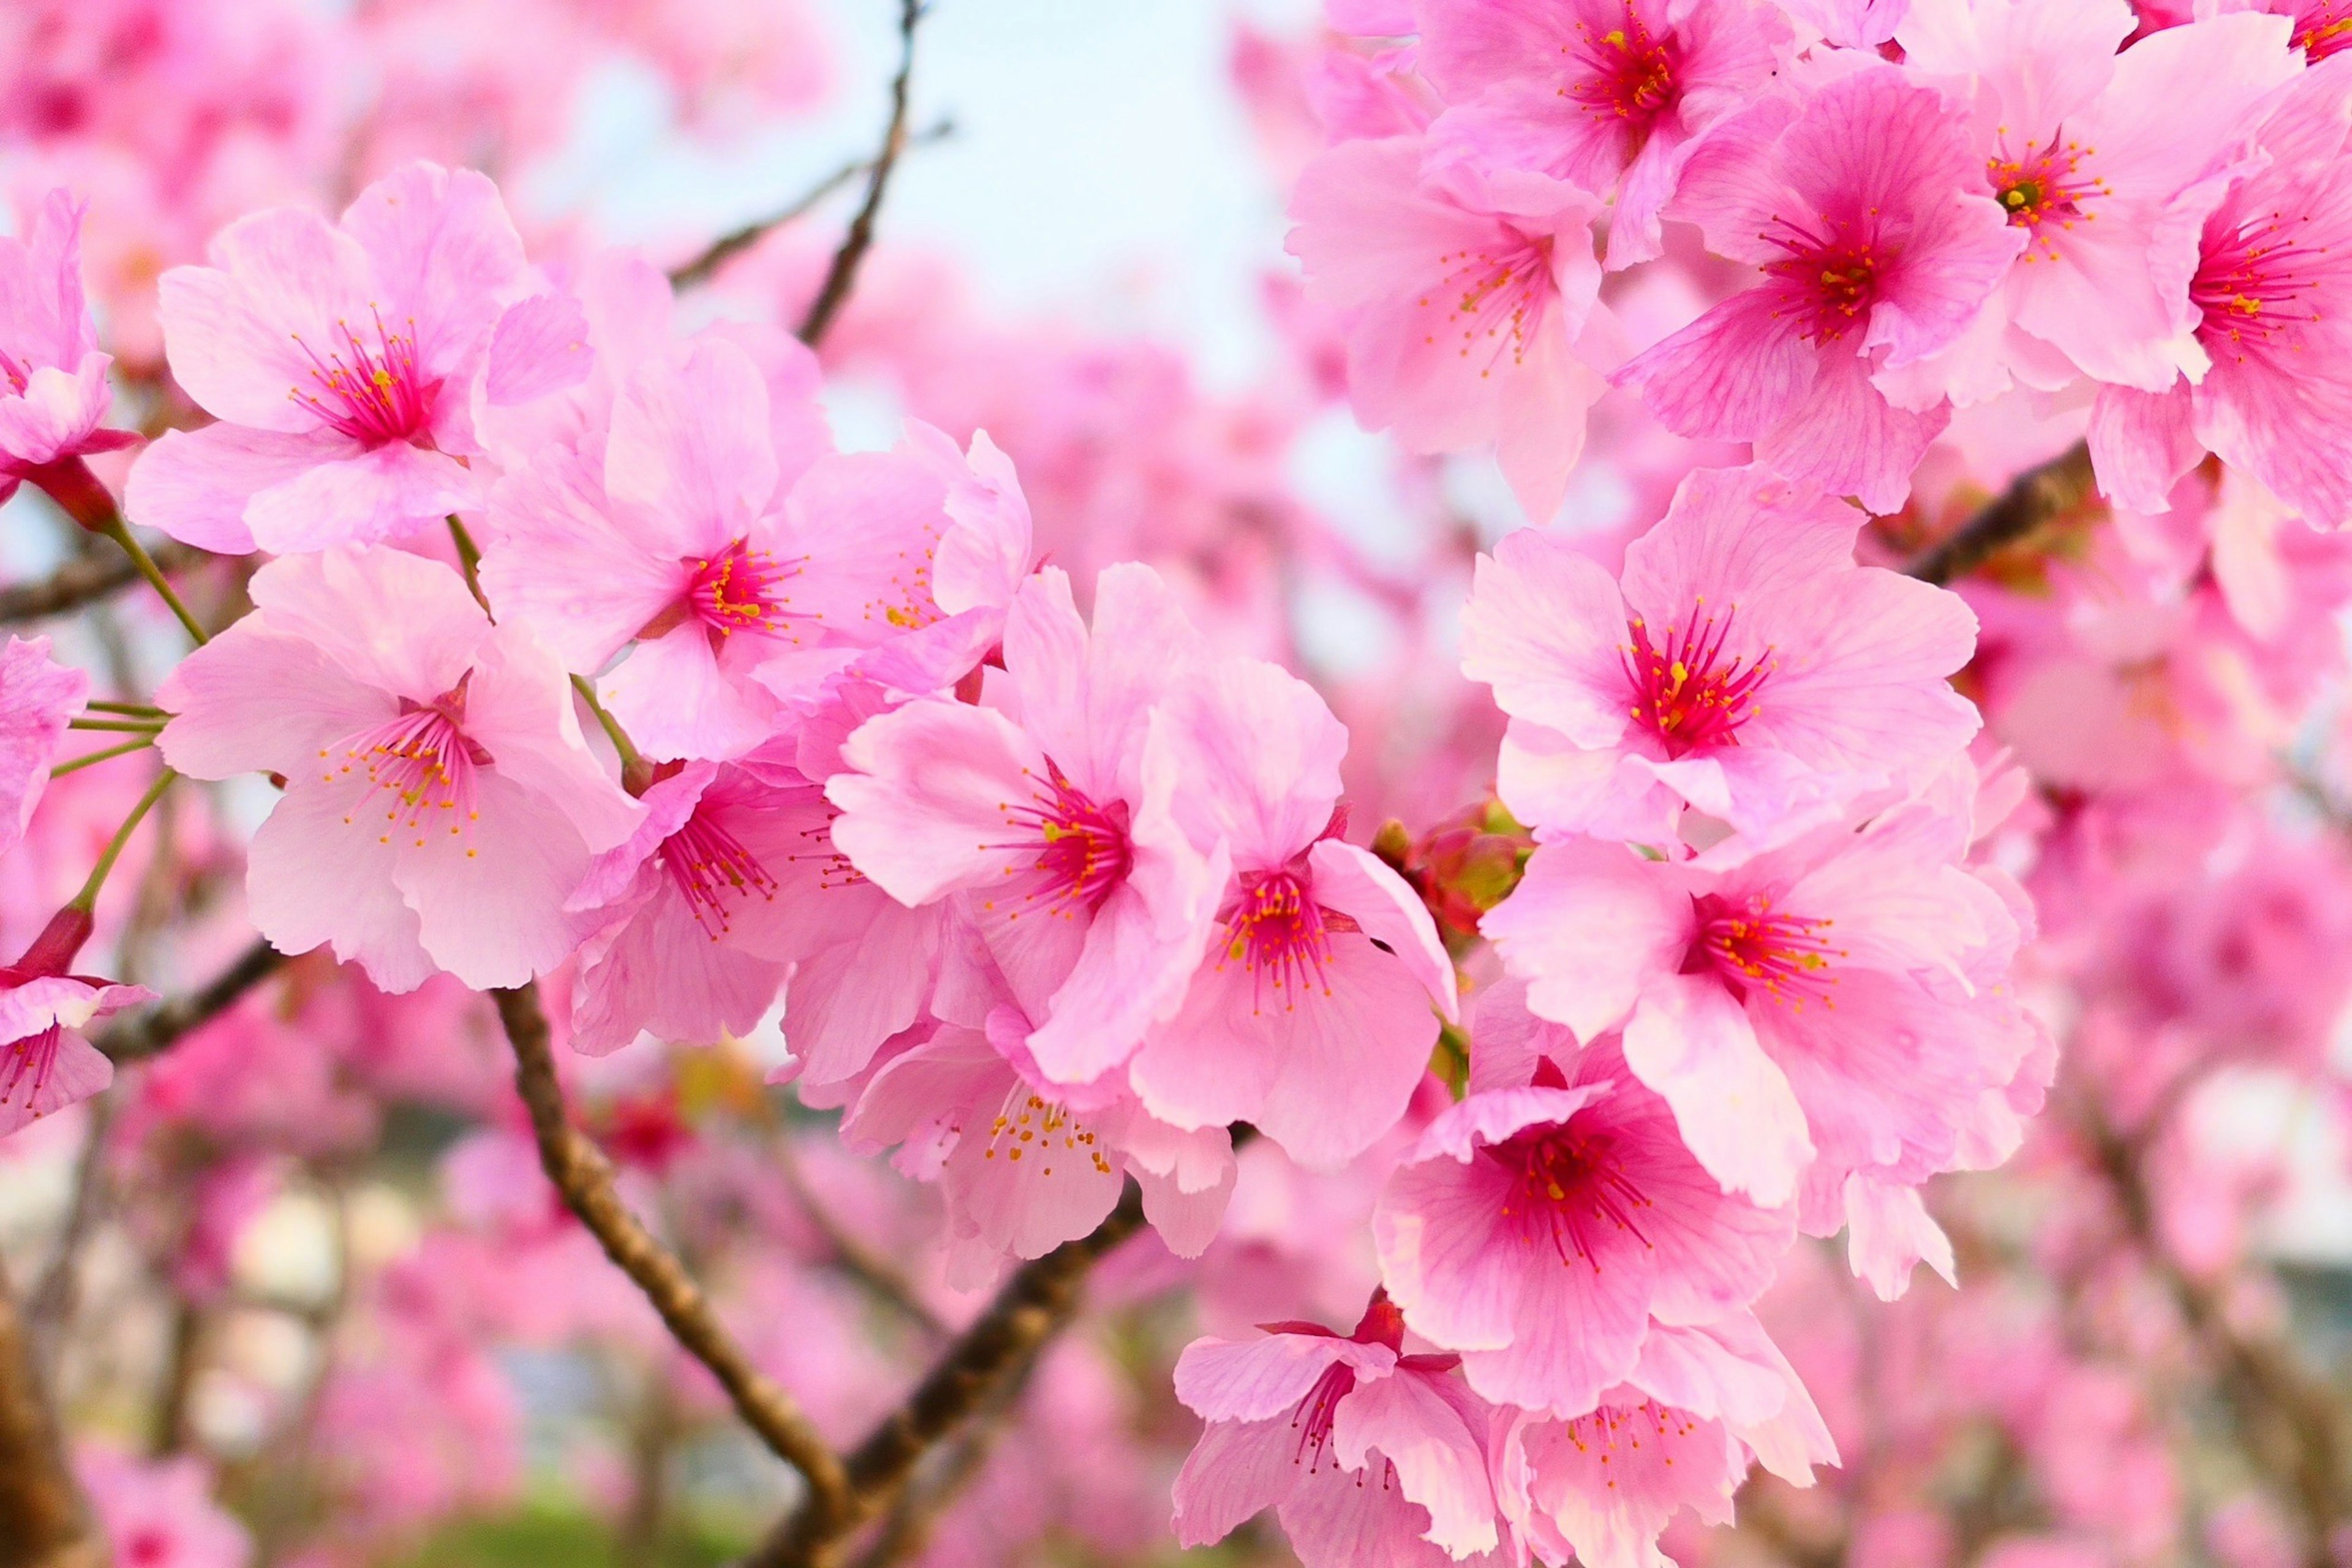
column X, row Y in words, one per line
column 17, row 376
column 1828, row 280
column 1567, row 1188
column 1628, row 73
column 1494, row 298
column 713, row 872
column 2046, row 187
column 422, row 760
column 26, row 1065
column 1077, row 851
column 147, row 1548
column 2254, row 285
column 1313, row 1418
column 374, row 392
column 2322, row 29
column 1757, row 948
column 739, row 590
column 1275, row 929
column 1686, row 690
column 1028, row 1124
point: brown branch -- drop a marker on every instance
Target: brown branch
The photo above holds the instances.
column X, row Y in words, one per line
column 927, row 1497
column 1034, row 1305
column 86, row 578
column 43, row 1523
column 581, row 1173
column 843, row 274
column 151, row 1030
column 727, row 247
column 2035, row 497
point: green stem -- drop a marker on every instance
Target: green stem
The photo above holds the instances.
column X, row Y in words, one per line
column 636, row 773
column 89, row 758
column 469, row 558
column 132, row 726
column 130, row 710
column 87, row 900
column 120, row 532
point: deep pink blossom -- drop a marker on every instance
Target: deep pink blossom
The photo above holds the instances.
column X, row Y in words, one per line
column 2269, row 283
column 160, row 1513
column 1865, row 208
column 1465, row 295
column 1365, row 1454
column 53, row 386
column 1827, row 1019
column 1610, row 95
column 339, row 361
column 1052, row 805
column 1313, row 1010
column 1538, row 1229
column 1742, row 666
column 441, row 804
column 46, row 1063
column 37, row 698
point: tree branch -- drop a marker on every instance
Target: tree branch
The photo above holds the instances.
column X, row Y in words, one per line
column 86, row 578
column 2035, row 497
column 43, row 1523
column 843, row 274
column 151, row 1030
column 1034, row 1305
column 581, row 1173
column 727, row 247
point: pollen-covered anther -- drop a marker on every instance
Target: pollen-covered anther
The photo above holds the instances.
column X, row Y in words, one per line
column 375, row 393
column 1757, row 948
column 1689, row 690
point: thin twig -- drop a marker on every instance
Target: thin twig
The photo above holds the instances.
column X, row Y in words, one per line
column 727, row 247
column 151, row 1030
column 49, row 1308
column 43, row 1523
column 843, row 274
column 2035, row 497
column 926, row 1499
column 1034, row 1305
column 86, row 578
column 585, row 1177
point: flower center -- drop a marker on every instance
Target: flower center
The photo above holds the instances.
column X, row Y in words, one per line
column 1613, row 1428
column 26, row 1065
column 1277, row 931
column 1565, row 1188
column 2046, row 187
column 2323, row 30
column 1756, row 947
column 374, row 395
column 147, row 1548
column 1631, row 72
column 423, row 760
column 1826, row 280
column 833, row 869
column 1685, row 690
column 736, row 591
column 2250, row 283
column 713, row 871
column 1077, row 852
column 1030, row 1124
column 1313, row 1420
column 17, row 376
column 1498, row 295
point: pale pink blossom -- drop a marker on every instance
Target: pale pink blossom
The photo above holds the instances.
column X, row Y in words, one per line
column 1312, row 1011
column 339, row 361
column 53, row 386
column 37, row 698
column 1864, row 207
column 1610, row 95
column 1742, row 666
column 1538, row 1228
column 1365, row 1454
column 1465, row 295
column 441, row 802
column 160, row 1513
column 46, row 1063
column 1052, row 804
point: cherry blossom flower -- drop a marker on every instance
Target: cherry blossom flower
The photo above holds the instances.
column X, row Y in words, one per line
column 1465, row 295
column 53, row 386
column 161, row 1513
column 37, row 697
column 1312, row 1014
column 1610, row 95
column 1538, row 1228
column 441, row 804
column 1053, row 805
column 1743, row 665
column 45, row 1064
column 1364, row 1453
column 1863, row 208
column 341, row 362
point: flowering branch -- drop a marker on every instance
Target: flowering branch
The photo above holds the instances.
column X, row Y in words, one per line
column 585, row 1177
column 86, row 579
column 2035, row 497
column 1034, row 1305
column 152, row 1030
column 843, row 274
column 43, row 1523
column 727, row 247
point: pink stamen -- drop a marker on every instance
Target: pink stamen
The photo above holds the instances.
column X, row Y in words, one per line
column 26, row 1064
column 1077, row 852
column 1629, row 72
column 423, row 760
column 375, row 396
column 713, row 872
column 1756, row 947
column 1686, row 691
column 1565, row 1184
